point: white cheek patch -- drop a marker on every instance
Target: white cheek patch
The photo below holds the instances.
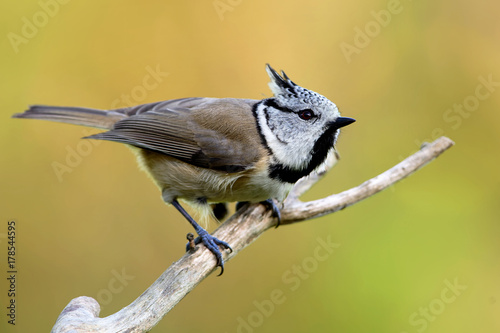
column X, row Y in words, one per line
column 296, row 157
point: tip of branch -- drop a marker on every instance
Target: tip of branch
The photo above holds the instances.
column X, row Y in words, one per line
column 82, row 309
column 443, row 141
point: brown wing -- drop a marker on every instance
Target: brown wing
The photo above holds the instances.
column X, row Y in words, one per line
column 210, row 133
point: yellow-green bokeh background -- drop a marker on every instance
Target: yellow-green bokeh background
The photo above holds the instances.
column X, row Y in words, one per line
column 397, row 248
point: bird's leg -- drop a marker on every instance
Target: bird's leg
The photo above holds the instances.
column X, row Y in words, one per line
column 270, row 204
column 208, row 240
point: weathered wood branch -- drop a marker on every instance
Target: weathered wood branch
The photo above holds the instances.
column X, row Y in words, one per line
column 81, row 314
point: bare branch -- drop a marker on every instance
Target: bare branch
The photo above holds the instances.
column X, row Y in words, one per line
column 300, row 211
column 81, row 314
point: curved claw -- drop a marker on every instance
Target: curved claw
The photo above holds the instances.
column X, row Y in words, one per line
column 212, row 243
column 274, row 208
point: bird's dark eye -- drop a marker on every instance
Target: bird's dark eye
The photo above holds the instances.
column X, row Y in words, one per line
column 306, row 114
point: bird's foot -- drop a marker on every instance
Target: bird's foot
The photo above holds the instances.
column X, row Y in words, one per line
column 275, row 210
column 212, row 243
column 270, row 204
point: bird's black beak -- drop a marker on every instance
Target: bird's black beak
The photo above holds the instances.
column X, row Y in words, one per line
column 343, row 121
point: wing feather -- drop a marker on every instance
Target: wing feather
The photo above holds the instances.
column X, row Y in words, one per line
column 210, row 133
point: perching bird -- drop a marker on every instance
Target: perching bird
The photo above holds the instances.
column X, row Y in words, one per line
column 217, row 150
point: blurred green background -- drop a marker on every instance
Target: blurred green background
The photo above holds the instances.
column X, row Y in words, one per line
column 422, row 256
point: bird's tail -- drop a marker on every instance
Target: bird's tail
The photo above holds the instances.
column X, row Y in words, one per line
column 73, row 115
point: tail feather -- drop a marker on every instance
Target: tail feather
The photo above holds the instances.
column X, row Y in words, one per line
column 73, row 115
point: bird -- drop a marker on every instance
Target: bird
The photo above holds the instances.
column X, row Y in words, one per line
column 209, row 151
